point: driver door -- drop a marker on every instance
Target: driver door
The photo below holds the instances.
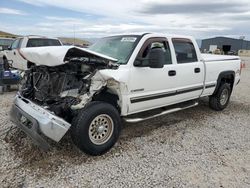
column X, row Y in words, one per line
column 152, row 87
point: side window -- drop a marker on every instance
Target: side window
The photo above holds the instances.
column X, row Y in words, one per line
column 14, row 45
column 184, row 50
column 37, row 42
column 163, row 45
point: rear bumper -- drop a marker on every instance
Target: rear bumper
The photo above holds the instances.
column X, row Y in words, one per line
column 36, row 121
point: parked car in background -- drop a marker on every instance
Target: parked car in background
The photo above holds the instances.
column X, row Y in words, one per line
column 5, row 43
column 15, row 58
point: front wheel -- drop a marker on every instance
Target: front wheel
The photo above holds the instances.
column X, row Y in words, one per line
column 96, row 128
column 220, row 99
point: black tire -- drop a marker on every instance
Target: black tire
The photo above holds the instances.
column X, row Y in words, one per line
column 83, row 123
column 216, row 102
column 6, row 64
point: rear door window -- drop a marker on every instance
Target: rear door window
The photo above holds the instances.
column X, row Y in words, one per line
column 38, row 42
column 184, row 50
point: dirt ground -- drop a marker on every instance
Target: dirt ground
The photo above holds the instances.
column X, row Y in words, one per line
column 197, row 147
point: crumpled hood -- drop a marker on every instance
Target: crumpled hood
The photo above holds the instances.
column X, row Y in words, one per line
column 56, row 55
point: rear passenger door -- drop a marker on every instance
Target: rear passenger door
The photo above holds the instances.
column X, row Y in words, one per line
column 189, row 70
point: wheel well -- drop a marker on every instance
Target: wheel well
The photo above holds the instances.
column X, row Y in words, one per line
column 228, row 79
column 29, row 64
column 225, row 77
column 108, row 97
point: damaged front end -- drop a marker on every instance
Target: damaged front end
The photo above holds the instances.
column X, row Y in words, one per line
column 52, row 94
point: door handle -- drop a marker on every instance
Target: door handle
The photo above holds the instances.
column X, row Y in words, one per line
column 14, row 53
column 197, row 70
column 171, row 73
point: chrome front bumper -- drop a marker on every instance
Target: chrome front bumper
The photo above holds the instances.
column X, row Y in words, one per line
column 36, row 121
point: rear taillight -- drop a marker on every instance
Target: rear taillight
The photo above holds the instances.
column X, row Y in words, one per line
column 242, row 65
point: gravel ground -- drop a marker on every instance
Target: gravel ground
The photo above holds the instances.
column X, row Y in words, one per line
column 197, row 147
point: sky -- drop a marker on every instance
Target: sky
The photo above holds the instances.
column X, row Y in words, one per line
column 98, row 18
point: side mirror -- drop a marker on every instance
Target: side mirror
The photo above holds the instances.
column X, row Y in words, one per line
column 9, row 48
column 156, row 58
column 138, row 62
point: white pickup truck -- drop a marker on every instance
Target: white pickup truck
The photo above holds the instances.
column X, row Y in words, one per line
column 13, row 55
column 90, row 91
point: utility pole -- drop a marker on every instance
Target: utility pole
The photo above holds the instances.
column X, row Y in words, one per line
column 74, row 34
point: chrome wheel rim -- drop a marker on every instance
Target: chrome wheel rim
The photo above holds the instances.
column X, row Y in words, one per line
column 101, row 129
column 224, row 97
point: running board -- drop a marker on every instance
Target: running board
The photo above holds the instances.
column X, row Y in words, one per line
column 171, row 110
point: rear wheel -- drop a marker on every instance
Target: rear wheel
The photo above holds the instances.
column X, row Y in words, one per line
column 220, row 99
column 96, row 128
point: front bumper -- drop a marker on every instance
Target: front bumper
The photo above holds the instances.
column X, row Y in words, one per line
column 36, row 121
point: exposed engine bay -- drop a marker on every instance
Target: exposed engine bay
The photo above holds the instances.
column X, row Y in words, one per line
column 65, row 88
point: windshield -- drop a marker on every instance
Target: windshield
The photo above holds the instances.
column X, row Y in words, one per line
column 118, row 47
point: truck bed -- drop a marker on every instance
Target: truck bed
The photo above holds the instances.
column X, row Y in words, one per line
column 214, row 57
